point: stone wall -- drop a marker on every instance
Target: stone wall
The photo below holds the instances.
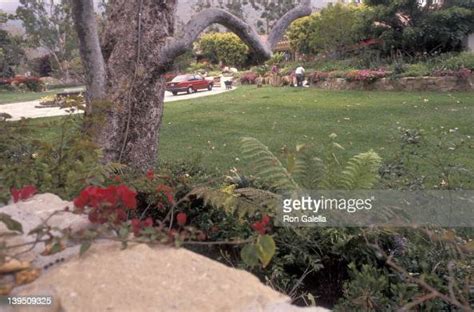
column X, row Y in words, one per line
column 444, row 84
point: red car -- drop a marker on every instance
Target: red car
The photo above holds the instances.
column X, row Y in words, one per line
column 188, row 83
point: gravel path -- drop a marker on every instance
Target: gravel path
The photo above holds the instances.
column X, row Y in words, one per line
column 30, row 109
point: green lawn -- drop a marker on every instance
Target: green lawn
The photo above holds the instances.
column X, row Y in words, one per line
column 12, row 97
column 209, row 128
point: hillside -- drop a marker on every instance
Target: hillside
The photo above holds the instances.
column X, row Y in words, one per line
column 262, row 13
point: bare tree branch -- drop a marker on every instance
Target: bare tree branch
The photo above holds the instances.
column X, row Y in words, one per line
column 91, row 54
column 417, row 302
column 201, row 21
column 277, row 32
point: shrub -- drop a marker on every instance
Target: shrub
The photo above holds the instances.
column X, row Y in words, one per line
column 318, row 76
column 365, row 75
column 30, row 83
column 462, row 73
column 365, row 269
column 416, row 70
column 109, row 204
column 48, row 100
column 226, row 48
column 337, row 74
column 5, row 85
column 248, row 78
column 42, row 65
column 202, row 67
column 63, row 165
column 261, row 70
column 277, row 58
column 414, row 261
column 462, row 60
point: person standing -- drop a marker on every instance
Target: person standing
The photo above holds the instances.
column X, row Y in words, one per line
column 275, row 71
column 299, row 76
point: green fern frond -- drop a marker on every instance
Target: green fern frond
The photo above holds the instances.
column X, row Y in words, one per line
column 308, row 170
column 241, row 202
column 361, row 171
column 267, row 166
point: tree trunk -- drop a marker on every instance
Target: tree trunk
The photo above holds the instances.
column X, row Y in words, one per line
column 131, row 44
column 124, row 78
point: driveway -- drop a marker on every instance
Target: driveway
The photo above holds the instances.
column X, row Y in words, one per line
column 30, row 109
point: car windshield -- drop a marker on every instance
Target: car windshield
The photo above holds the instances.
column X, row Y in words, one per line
column 180, row 78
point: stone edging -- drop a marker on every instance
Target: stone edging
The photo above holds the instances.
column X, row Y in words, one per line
column 444, row 84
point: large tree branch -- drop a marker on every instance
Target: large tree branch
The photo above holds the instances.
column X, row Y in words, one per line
column 261, row 50
column 89, row 46
column 201, row 21
column 278, row 30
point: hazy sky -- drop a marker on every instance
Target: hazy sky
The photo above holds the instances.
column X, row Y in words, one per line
column 11, row 5
column 8, row 5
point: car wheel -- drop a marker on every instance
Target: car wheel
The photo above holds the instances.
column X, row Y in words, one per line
column 209, row 87
column 175, row 93
column 190, row 90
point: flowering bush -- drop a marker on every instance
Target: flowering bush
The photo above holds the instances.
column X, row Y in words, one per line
column 166, row 194
column 23, row 193
column 248, row 78
column 138, row 225
column 365, row 75
column 318, row 76
column 30, row 83
column 337, row 74
column 462, row 73
column 112, row 203
column 48, row 100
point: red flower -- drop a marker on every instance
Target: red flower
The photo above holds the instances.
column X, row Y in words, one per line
column 86, row 197
column 23, row 193
column 127, row 196
column 106, row 204
column 150, row 174
column 181, row 218
column 107, row 196
column 117, row 179
column 261, row 226
column 138, row 225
